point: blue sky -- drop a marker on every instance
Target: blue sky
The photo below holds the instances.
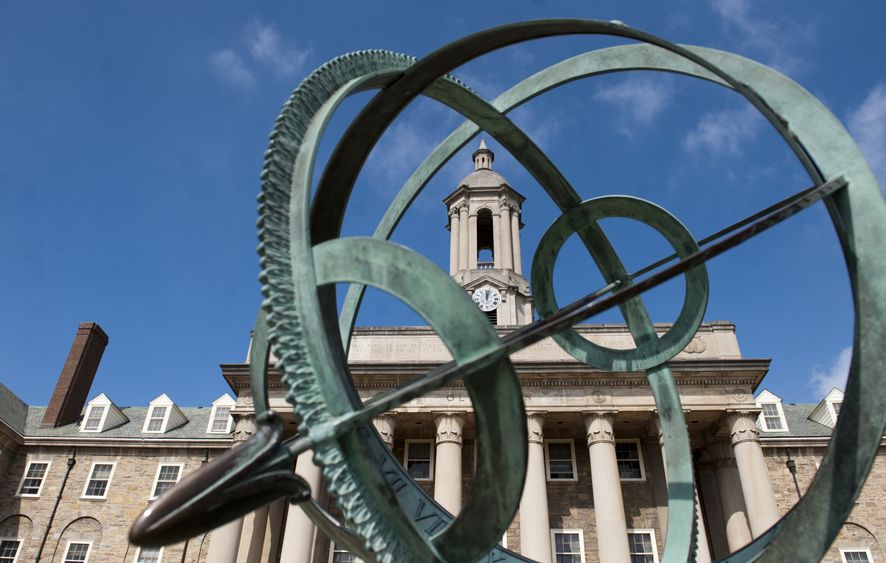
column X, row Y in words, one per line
column 132, row 137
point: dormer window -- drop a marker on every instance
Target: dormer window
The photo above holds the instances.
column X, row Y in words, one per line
column 101, row 414
column 156, row 419
column 163, row 416
column 94, row 417
column 827, row 411
column 220, row 420
column 771, row 417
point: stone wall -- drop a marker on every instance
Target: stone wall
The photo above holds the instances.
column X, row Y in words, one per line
column 104, row 522
column 866, row 522
column 571, row 503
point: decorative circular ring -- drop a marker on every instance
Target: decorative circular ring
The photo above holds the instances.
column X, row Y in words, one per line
column 301, row 257
column 648, row 353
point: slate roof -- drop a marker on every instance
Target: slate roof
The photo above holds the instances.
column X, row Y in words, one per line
column 13, row 410
column 194, row 429
column 799, row 425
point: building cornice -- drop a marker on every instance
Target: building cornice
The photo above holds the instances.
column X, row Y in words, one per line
column 799, row 441
column 139, row 443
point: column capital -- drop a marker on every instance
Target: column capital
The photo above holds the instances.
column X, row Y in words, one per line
column 385, row 424
column 598, row 426
column 244, row 427
column 449, row 428
column 742, row 427
column 534, row 423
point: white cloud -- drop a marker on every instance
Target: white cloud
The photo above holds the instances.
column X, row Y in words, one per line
column 539, row 126
column 483, row 84
column 867, row 123
column 229, row 66
column 723, row 132
column 268, row 47
column 522, row 56
column 834, row 376
column 642, row 97
column 403, row 147
column 768, row 38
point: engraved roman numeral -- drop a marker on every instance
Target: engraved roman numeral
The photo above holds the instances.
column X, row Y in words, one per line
column 435, row 521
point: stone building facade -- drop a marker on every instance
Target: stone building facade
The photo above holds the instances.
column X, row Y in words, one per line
column 595, row 488
column 76, row 474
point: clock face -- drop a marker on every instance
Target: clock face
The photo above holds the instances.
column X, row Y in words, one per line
column 488, row 298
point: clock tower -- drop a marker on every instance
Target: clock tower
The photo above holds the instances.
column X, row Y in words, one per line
column 484, row 242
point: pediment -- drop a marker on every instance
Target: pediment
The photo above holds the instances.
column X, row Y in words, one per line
column 485, row 280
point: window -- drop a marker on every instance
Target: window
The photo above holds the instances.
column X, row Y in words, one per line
column 772, row 418
column 32, row 482
column 77, row 552
column 568, row 546
column 156, row 421
column 856, row 555
column 149, row 555
column 835, row 409
column 99, row 480
column 220, row 421
column 560, row 460
column 9, row 550
column 167, row 476
column 338, row 554
column 630, row 460
column 419, row 459
column 641, row 544
column 94, row 417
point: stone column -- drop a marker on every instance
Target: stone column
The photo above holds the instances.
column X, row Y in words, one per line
column 609, row 510
column 472, row 241
column 703, row 550
column 298, row 537
column 515, row 242
column 453, row 242
column 507, row 254
column 496, row 241
column 711, row 508
column 758, row 496
column 535, row 528
column 447, row 462
column 463, row 238
column 224, row 543
column 385, row 425
column 252, row 537
column 738, row 533
column 271, row 546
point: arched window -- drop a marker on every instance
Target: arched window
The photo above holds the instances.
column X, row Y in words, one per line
column 485, row 248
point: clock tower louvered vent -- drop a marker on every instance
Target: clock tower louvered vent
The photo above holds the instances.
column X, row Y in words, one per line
column 484, row 242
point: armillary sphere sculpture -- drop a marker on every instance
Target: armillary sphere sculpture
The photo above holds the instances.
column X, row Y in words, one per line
column 387, row 516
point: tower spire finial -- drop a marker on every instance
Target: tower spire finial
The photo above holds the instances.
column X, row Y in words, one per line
column 483, row 157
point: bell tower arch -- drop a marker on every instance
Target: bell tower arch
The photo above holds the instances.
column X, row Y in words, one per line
column 484, row 242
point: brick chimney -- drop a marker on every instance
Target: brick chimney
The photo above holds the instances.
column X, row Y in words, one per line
column 76, row 378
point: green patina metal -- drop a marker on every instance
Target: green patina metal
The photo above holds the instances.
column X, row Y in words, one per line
column 303, row 256
column 652, row 352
